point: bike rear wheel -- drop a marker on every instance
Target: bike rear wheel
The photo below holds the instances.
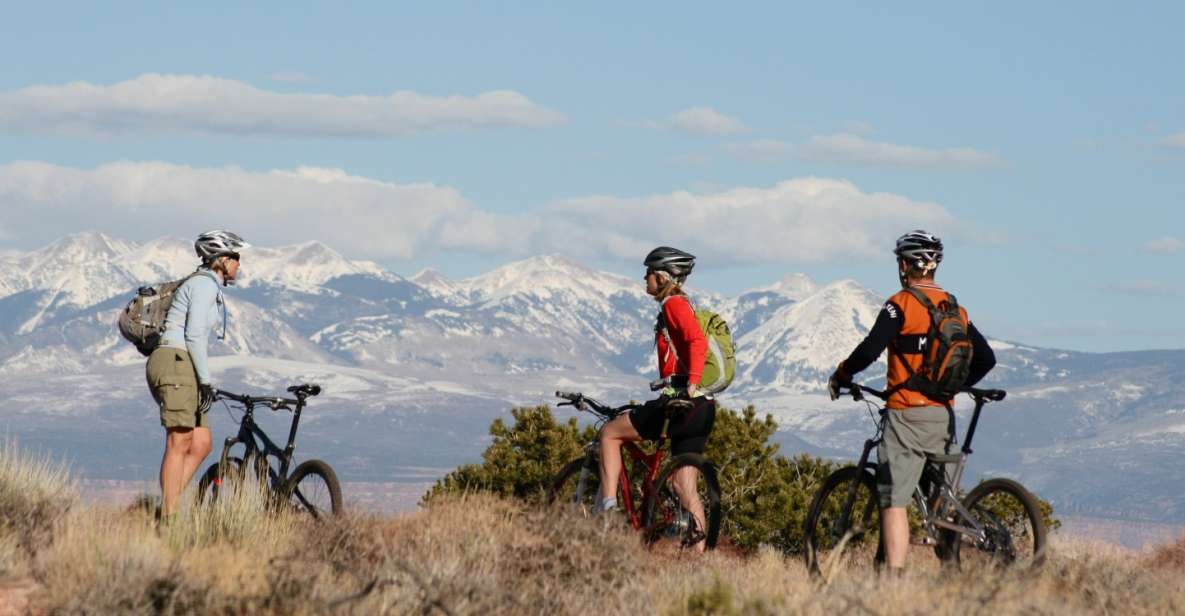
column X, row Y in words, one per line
column 313, row 488
column 667, row 518
column 1011, row 518
column 826, row 535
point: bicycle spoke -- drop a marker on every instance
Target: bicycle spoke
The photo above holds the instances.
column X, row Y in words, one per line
column 1013, row 533
column 312, row 495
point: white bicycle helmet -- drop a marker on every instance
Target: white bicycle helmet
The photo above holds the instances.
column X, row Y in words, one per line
column 213, row 244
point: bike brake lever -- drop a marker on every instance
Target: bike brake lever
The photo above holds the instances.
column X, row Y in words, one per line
column 857, row 395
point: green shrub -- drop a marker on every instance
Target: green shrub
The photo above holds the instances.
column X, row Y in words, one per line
column 523, row 458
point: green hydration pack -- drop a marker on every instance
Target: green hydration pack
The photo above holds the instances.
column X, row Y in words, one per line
column 142, row 321
column 720, row 364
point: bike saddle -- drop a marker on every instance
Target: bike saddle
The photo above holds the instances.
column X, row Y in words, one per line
column 307, row 389
column 944, row 458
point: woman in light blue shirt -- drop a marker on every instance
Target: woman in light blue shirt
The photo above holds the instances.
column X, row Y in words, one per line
column 177, row 371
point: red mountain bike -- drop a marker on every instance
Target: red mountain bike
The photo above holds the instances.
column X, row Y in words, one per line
column 644, row 479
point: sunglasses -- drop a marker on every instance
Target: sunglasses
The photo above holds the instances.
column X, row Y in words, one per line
column 234, row 256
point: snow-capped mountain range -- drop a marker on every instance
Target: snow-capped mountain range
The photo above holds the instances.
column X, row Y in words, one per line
column 414, row 369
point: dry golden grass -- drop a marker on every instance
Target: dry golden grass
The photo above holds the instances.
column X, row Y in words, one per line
column 478, row 554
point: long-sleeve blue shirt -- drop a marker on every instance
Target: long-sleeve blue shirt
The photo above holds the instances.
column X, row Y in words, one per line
column 196, row 308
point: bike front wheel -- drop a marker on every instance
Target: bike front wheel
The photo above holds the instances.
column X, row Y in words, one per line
column 578, row 483
column 843, row 519
column 216, row 479
column 314, row 489
column 1013, row 528
column 667, row 517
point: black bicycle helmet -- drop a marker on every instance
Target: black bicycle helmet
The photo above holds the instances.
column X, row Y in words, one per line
column 670, row 260
column 919, row 249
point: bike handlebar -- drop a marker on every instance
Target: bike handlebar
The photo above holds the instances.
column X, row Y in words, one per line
column 581, row 401
column 993, row 395
column 276, row 403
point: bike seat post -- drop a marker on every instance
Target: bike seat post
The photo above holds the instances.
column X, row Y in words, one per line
column 979, row 402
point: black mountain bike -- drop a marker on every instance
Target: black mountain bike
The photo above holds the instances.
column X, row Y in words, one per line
column 311, row 488
column 999, row 520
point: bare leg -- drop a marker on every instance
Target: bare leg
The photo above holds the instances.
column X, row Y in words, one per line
column 198, row 450
column 172, row 467
column 685, row 482
column 615, row 434
column 895, row 526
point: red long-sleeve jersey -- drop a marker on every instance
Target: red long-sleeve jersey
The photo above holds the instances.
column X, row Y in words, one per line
column 690, row 344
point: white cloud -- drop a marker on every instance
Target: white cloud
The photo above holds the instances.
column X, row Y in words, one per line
column 848, row 148
column 1165, row 246
column 853, row 149
column 361, row 217
column 706, row 121
column 154, row 103
column 802, row 221
column 1175, row 141
column 698, row 121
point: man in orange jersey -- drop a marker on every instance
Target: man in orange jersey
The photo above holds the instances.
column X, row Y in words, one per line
column 916, row 424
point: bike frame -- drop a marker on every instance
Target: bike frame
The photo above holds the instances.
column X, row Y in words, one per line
column 651, row 462
column 932, row 518
column 251, row 436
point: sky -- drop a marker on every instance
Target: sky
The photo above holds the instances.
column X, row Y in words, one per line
column 1045, row 142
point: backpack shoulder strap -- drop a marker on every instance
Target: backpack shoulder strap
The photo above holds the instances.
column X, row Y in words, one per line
column 661, row 326
column 932, row 310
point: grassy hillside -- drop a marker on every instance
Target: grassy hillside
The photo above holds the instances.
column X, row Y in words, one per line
column 481, row 554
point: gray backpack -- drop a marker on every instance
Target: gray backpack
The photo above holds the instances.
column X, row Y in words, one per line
column 142, row 321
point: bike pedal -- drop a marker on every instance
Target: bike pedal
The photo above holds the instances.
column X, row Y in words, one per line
column 923, row 541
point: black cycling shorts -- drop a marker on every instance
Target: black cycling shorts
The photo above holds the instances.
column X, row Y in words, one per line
column 688, row 430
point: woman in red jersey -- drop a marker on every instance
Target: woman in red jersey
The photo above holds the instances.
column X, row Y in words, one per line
column 682, row 349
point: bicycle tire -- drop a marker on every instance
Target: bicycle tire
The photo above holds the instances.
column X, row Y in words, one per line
column 566, row 484
column 211, row 482
column 1005, row 523
column 307, row 496
column 664, row 511
column 821, row 532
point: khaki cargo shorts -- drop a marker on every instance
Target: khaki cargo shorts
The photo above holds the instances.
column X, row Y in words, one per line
column 174, row 387
column 909, row 435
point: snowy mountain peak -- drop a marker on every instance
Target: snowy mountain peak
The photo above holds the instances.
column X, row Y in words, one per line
column 304, row 266
column 543, row 276
column 793, row 286
column 438, row 285
column 78, row 248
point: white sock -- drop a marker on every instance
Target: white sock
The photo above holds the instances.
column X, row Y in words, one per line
column 608, row 503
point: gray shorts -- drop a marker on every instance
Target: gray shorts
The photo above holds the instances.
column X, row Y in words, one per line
column 909, row 435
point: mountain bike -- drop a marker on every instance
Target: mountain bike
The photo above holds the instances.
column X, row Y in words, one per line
column 644, row 479
column 312, row 487
column 998, row 520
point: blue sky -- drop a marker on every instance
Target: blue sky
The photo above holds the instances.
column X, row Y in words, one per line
column 1045, row 141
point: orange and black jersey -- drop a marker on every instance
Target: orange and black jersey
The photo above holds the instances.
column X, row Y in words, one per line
column 904, row 323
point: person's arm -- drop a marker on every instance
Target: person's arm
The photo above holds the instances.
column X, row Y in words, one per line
column 203, row 310
column 683, row 327
column 983, row 358
column 888, row 324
